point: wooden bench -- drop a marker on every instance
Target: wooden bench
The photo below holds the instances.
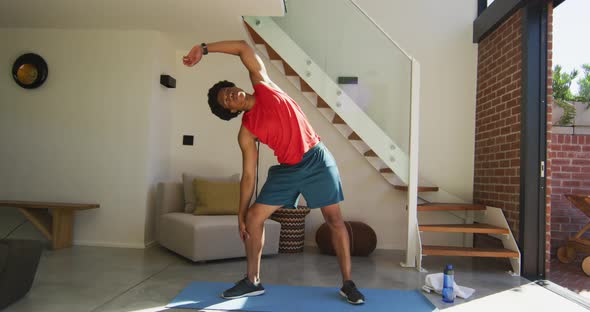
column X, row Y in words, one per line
column 57, row 226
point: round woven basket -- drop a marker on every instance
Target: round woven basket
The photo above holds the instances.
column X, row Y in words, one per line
column 292, row 222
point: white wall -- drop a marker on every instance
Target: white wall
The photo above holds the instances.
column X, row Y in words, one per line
column 215, row 152
column 160, row 116
column 102, row 130
column 82, row 136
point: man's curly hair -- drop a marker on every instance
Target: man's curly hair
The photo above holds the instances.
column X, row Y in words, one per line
column 216, row 108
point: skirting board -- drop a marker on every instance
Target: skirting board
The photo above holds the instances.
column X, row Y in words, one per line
column 379, row 247
column 109, row 244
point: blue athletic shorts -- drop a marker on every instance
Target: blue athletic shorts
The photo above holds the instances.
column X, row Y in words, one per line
column 316, row 176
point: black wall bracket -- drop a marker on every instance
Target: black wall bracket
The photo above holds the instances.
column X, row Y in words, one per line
column 168, row 81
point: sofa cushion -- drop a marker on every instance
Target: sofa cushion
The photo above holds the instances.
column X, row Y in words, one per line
column 210, row 237
column 197, row 222
column 216, row 197
column 189, row 193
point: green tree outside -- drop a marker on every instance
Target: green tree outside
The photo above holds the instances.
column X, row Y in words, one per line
column 584, row 84
column 562, row 93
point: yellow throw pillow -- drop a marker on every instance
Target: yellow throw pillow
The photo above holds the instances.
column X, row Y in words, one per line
column 216, row 197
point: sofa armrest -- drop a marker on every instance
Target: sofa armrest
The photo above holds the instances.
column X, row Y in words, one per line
column 170, row 198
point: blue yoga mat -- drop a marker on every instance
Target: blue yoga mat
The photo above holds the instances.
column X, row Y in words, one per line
column 283, row 298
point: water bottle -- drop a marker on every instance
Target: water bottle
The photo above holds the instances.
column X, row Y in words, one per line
column 448, row 294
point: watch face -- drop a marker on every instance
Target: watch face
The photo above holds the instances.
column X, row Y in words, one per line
column 29, row 71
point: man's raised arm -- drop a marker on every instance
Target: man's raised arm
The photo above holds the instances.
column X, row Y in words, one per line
column 240, row 48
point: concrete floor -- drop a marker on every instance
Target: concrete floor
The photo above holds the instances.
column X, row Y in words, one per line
column 115, row 279
column 145, row 280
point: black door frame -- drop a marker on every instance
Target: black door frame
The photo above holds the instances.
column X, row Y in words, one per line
column 533, row 141
column 533, row 148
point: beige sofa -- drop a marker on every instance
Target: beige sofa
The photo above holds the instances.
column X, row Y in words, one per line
column 201, row 238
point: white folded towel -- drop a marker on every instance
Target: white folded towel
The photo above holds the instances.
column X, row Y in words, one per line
column 435, row 282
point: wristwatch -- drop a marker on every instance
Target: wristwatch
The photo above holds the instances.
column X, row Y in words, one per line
column 204, row 47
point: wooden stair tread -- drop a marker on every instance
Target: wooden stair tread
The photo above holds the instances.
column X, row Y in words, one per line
column 272, row 54
column 354, row 136
column 289, row 71
column 420, row 188
column 464, row 228
column 450, row 207
column 304, row 86
column 370, row 153
column 429, row 250
column 322, row 103
column 255, row 36
column 338, row 120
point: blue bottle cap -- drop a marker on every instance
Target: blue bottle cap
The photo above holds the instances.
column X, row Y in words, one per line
column 449, row 267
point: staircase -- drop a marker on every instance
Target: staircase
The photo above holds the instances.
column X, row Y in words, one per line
column 354, row 138
column 383, row 154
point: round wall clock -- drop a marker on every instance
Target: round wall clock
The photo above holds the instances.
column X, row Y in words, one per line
column 29, row 71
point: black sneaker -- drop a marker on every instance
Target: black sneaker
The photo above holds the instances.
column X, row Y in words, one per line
column 243, row 288
column 351, row 293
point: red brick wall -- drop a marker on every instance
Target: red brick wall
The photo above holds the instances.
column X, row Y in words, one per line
column 497, row 129
column 548, row 173
column 571, row 175
column 497, row 134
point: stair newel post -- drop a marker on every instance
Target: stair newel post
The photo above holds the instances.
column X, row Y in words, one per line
column 413, row 246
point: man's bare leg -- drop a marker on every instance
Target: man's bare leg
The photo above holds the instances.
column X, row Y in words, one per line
column 257, row 214
column 341, row 243
column 254, row 240
column 340, row 240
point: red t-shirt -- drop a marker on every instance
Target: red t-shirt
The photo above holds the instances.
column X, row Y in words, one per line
column 277, row 121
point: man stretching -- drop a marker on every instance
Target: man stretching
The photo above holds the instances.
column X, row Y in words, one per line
column 305, row 164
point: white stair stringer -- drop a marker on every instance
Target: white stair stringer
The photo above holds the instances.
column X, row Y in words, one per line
column 332, row 94
column 495, row 216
